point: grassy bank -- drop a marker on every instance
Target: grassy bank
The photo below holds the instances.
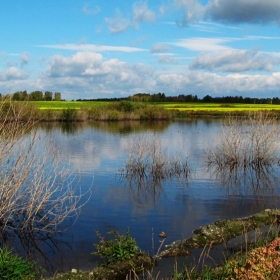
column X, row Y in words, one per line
column 181, row 106
column 258, row 258
column 127, row 110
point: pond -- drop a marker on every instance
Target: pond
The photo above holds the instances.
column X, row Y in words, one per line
column 96, row 154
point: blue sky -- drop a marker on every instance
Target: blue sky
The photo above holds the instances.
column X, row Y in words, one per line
column 106, row 48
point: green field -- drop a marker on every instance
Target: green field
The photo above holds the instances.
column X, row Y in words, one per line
column 221, row 107
column 59, row 105
column 182, row 106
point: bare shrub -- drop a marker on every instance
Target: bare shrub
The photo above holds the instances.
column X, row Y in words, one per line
column 146, row 159
column 248, row 142
column 36, row 192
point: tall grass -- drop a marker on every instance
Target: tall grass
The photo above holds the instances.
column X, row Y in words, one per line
column 252, row 141
column 146, row 159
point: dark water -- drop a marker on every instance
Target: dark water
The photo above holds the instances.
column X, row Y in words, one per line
column 96, row 154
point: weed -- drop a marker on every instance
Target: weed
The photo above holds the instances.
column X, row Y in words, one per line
column 15, row 267
column 119, row 249
column 69, row 114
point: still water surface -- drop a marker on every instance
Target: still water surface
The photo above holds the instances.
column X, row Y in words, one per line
column 96, row 154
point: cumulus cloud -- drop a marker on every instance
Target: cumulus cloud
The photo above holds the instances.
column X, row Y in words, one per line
column 12, row 74
column 118, row 23
column 202, row 83
column 159, row 48
column 142, row 13
column 88, row 72
column 91, row 74
column 244, row 11
column 168, row 59
column 24, row 59
column 193, row 11
column 235, row 61
column 74, row 65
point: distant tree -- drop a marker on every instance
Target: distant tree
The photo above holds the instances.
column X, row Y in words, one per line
column 207, row 98
column 16, row 97
column 57, row 96
column 20, row 96
column 48, row 96
column 275, row 100
column 36, row 95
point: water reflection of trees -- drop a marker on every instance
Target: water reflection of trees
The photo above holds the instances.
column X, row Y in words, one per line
column 126, row 127
column 121, row 127
column 257, row 180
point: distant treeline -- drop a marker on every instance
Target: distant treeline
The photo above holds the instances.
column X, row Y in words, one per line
column 161, row 97
column 33, row 96
column 143, row 97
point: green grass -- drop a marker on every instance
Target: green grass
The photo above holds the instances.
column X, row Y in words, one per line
column 15, row 267
column 218, row 106
column 60, row 105
column 181, row 106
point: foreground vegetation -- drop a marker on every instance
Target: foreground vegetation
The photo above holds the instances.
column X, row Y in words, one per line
column 122, row 258
column 69, row 111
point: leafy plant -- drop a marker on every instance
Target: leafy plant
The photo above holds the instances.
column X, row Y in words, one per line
column 15, row 267
column 118, row 249
column 69, row 114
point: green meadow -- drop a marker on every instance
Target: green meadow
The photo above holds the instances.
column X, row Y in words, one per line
column 181, row 106
column 60, row 105
column 221, row 107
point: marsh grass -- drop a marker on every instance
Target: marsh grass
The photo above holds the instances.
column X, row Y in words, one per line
column 146, row 159
column 250, row 142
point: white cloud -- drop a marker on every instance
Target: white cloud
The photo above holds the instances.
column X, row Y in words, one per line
column 203, row 44
column 142, row 13
column 202, row 83
column 24, row 59
column 12, row 74
column 91, row 10
column 89, row 73
column 193, row 11
column 118, row 23
column 93, row 48
column 166, row 58
column 159, row 48
column 235, row 61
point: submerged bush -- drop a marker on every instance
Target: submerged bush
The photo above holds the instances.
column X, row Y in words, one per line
column 252, row 141
column 146, row 159
column 37, row 194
